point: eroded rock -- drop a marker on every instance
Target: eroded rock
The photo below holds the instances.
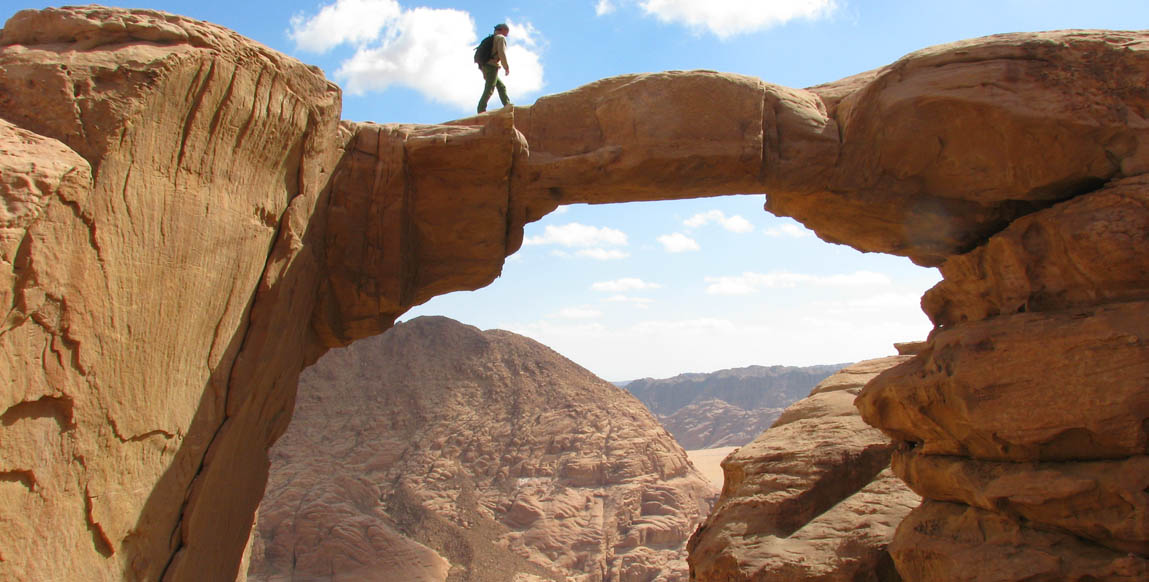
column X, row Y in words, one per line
column 812, row 498
column 438, row 449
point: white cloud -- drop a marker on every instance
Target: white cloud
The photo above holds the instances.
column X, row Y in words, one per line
column 345, row 21
column 790, row 230
column 624, row 284
column 604, row 7
column 726, row 18
column 602, row 254
column 579, row 313
column 641, row 302
column 732, row 223
column 425, row 49
column 748, row 282
column 678, row 243
column 575, row 234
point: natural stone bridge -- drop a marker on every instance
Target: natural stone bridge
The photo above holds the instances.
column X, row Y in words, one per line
column 188, row 224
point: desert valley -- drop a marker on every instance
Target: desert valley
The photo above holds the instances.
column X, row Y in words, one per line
column 197, row 248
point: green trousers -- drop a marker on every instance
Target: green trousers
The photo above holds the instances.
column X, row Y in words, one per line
column 491, row 76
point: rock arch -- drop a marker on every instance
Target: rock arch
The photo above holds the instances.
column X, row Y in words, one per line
column 190, row 224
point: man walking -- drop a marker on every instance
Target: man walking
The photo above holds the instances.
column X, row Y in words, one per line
column 490, row 66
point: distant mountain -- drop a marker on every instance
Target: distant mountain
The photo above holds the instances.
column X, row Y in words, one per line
column 437, row 451
column 715, row 423
column 727, row 407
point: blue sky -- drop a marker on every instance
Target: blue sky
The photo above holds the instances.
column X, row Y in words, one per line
column 651, row 289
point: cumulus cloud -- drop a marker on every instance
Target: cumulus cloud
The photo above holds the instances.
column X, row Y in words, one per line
column 345, row 21
column 604, row 7
column 726, row 18
column 748, row 282
column 425, row 49
column 624, row 284
column 789, row 230
column 732, row 223
column 678, row 243
column 576, row 234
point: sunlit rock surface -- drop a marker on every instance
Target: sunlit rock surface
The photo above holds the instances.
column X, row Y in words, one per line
column 436, row 449
column 171, row 274
column 812, row 498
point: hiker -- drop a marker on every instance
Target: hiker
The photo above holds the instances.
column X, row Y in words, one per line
column 491, row 53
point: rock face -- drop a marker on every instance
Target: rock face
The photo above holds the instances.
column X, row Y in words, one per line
column 163, row 173
column 439, row 452
column 715, row 423
column 747, row 388
column 1037, row 474
column 727, row 407
column 812, row 498
column 187, row 225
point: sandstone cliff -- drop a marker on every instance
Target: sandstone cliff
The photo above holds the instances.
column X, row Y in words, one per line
column 439, row 452
column 812, row 498
column 187, row 225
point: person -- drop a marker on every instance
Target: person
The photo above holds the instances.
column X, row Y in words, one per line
column 490, row 68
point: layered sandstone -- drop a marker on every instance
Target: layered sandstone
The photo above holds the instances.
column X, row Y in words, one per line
column 812, row 498
column 439, row 452
column 177, row 253
column 164, row 172
column 1025, row 417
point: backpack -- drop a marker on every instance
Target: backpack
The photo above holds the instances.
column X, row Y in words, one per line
column 483, row 51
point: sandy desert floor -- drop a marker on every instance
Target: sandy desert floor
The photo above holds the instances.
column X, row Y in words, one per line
column 708, row 461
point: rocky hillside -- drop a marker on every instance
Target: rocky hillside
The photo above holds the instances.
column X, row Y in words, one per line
column 747, row 388
column 715, row 423
column 439, row 452
column 727, row 407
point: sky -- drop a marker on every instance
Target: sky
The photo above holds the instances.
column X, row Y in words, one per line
column 650, row 289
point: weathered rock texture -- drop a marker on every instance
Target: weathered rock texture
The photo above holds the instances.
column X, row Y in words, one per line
column 163, row 173
column 177, row 209
column 714, row 423
column 727, row 407
column 1026, row 417
column 439, row 452
column 812, row 498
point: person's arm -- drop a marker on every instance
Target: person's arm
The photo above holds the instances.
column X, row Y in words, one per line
column 500, row 51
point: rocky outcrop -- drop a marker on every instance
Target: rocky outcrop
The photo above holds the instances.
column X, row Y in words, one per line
column 812, row 498
column 438, row 450
column 164, row 173
column 1051, row 462
column 174, row 271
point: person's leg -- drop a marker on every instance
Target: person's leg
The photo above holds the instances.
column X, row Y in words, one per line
column 502, row 90
column 490, row 77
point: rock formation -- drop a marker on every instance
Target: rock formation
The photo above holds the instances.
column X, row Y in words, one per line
column 727, row 407
column 439, row 452
column 716, row 423
column 812, row 498
column 187, row 225
column 1025, row 420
